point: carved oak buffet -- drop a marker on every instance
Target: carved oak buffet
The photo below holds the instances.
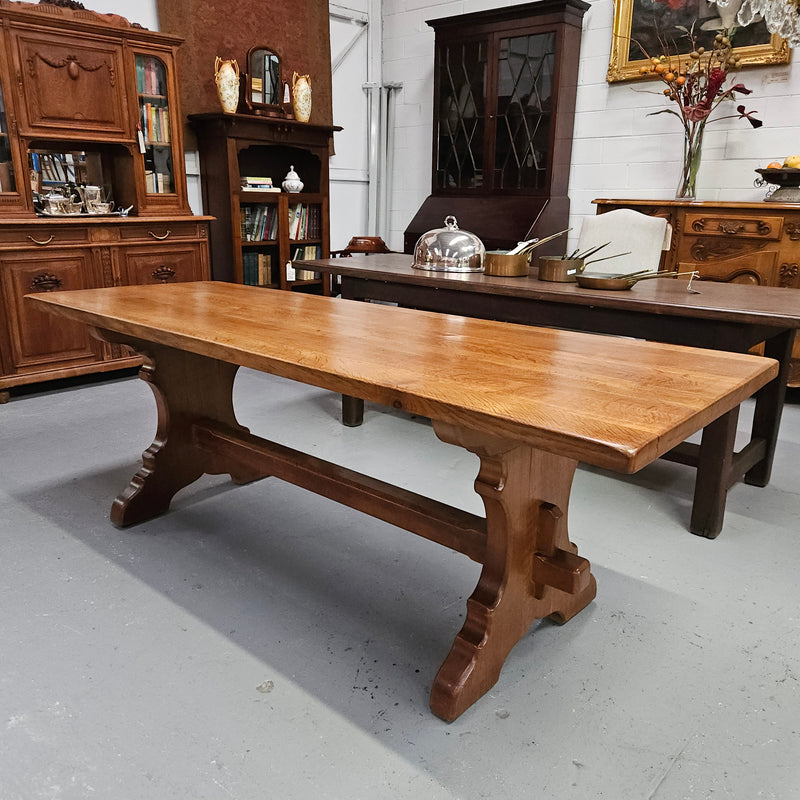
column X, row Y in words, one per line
column 86, row 98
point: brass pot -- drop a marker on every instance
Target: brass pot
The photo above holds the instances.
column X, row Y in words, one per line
column 506, row 264
column 558, row 269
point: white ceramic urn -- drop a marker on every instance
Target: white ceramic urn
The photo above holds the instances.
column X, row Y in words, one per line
column 292, row 182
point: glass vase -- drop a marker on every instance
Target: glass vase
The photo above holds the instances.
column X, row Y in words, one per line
column 692, row 155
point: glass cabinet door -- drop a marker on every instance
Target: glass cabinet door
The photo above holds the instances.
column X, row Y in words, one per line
column 525, row 72
column 7, row 180
column 494, row 113
column 154, row 125
column 461, row 79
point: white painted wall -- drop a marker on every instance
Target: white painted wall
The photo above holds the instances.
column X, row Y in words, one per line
column 349, row 167
column 618, row 151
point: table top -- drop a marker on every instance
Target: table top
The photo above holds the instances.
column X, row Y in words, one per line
column 762, row 305
column 618, row 407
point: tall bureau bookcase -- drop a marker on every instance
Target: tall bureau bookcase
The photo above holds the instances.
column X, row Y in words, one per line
column 86, row 98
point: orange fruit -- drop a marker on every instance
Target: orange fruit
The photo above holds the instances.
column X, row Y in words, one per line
column 774, row 165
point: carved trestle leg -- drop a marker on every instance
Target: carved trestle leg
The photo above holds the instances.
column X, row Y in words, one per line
column 531, row 569
column 187, row 388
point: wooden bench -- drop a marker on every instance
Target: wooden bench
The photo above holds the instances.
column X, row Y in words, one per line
column 530, row 402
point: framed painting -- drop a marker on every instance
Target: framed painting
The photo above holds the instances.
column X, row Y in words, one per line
column 644, row 28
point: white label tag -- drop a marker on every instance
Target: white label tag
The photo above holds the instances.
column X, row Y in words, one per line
column 291, row 275
column 140, row 136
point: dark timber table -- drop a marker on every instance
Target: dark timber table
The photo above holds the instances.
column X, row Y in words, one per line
column 573, row 399
column 723, row 316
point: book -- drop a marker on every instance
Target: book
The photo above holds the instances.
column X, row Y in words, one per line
column 254, row 183
column 264, row 269
column 301, row 253
column 294, row 220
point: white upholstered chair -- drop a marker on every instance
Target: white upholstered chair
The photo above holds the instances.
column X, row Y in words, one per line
column 626, row 230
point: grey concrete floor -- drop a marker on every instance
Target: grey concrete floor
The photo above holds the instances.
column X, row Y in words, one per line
column 262, row 642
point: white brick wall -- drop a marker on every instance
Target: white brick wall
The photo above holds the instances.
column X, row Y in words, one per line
column 618, row 150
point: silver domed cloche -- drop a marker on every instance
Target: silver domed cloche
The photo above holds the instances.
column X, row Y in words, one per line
column 449, row 249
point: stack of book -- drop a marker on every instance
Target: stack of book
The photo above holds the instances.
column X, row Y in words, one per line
column 259, row 223
column 251, row 183
column 304, row 222
column 257, row 269
column 155, row 123
column 157, row 182
column 307, row 252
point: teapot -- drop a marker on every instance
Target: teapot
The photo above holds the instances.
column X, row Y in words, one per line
column 56, row 203
column 89, row 195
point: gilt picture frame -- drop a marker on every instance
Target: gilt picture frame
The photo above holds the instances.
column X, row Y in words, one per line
column 645, row 26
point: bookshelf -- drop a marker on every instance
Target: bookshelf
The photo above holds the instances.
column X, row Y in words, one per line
column 259, row 230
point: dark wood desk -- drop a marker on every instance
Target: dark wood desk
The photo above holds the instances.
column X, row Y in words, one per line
column 573, row 400
column 724, row 316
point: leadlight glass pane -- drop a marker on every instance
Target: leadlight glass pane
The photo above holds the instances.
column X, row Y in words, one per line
column 461, row 116
column 524, row 111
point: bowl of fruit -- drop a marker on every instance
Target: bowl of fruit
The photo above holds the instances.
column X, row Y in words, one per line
column 785, row 176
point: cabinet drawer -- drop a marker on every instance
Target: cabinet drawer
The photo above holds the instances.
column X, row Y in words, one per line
column 740, row 226
column 165, row 264
column 43, row 236
column 167, row 231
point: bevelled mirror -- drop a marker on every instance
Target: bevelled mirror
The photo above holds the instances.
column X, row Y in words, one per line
column 264, row 81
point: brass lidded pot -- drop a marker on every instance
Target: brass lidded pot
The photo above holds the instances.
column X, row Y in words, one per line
column 449, row 249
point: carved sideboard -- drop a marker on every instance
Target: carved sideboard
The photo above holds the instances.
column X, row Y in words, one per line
column 756, row 243
column 86, row 100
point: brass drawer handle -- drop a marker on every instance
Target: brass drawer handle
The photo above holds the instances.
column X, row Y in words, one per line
column 47, row 241
column 163, row 274
column 731, row 230
column 160, row 238
column 45, row 282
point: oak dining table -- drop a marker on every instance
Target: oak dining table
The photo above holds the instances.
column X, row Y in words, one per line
column 529, row 418
column 720, row 316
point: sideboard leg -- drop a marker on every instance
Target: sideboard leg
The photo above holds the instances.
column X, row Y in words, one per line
column 531, row 569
